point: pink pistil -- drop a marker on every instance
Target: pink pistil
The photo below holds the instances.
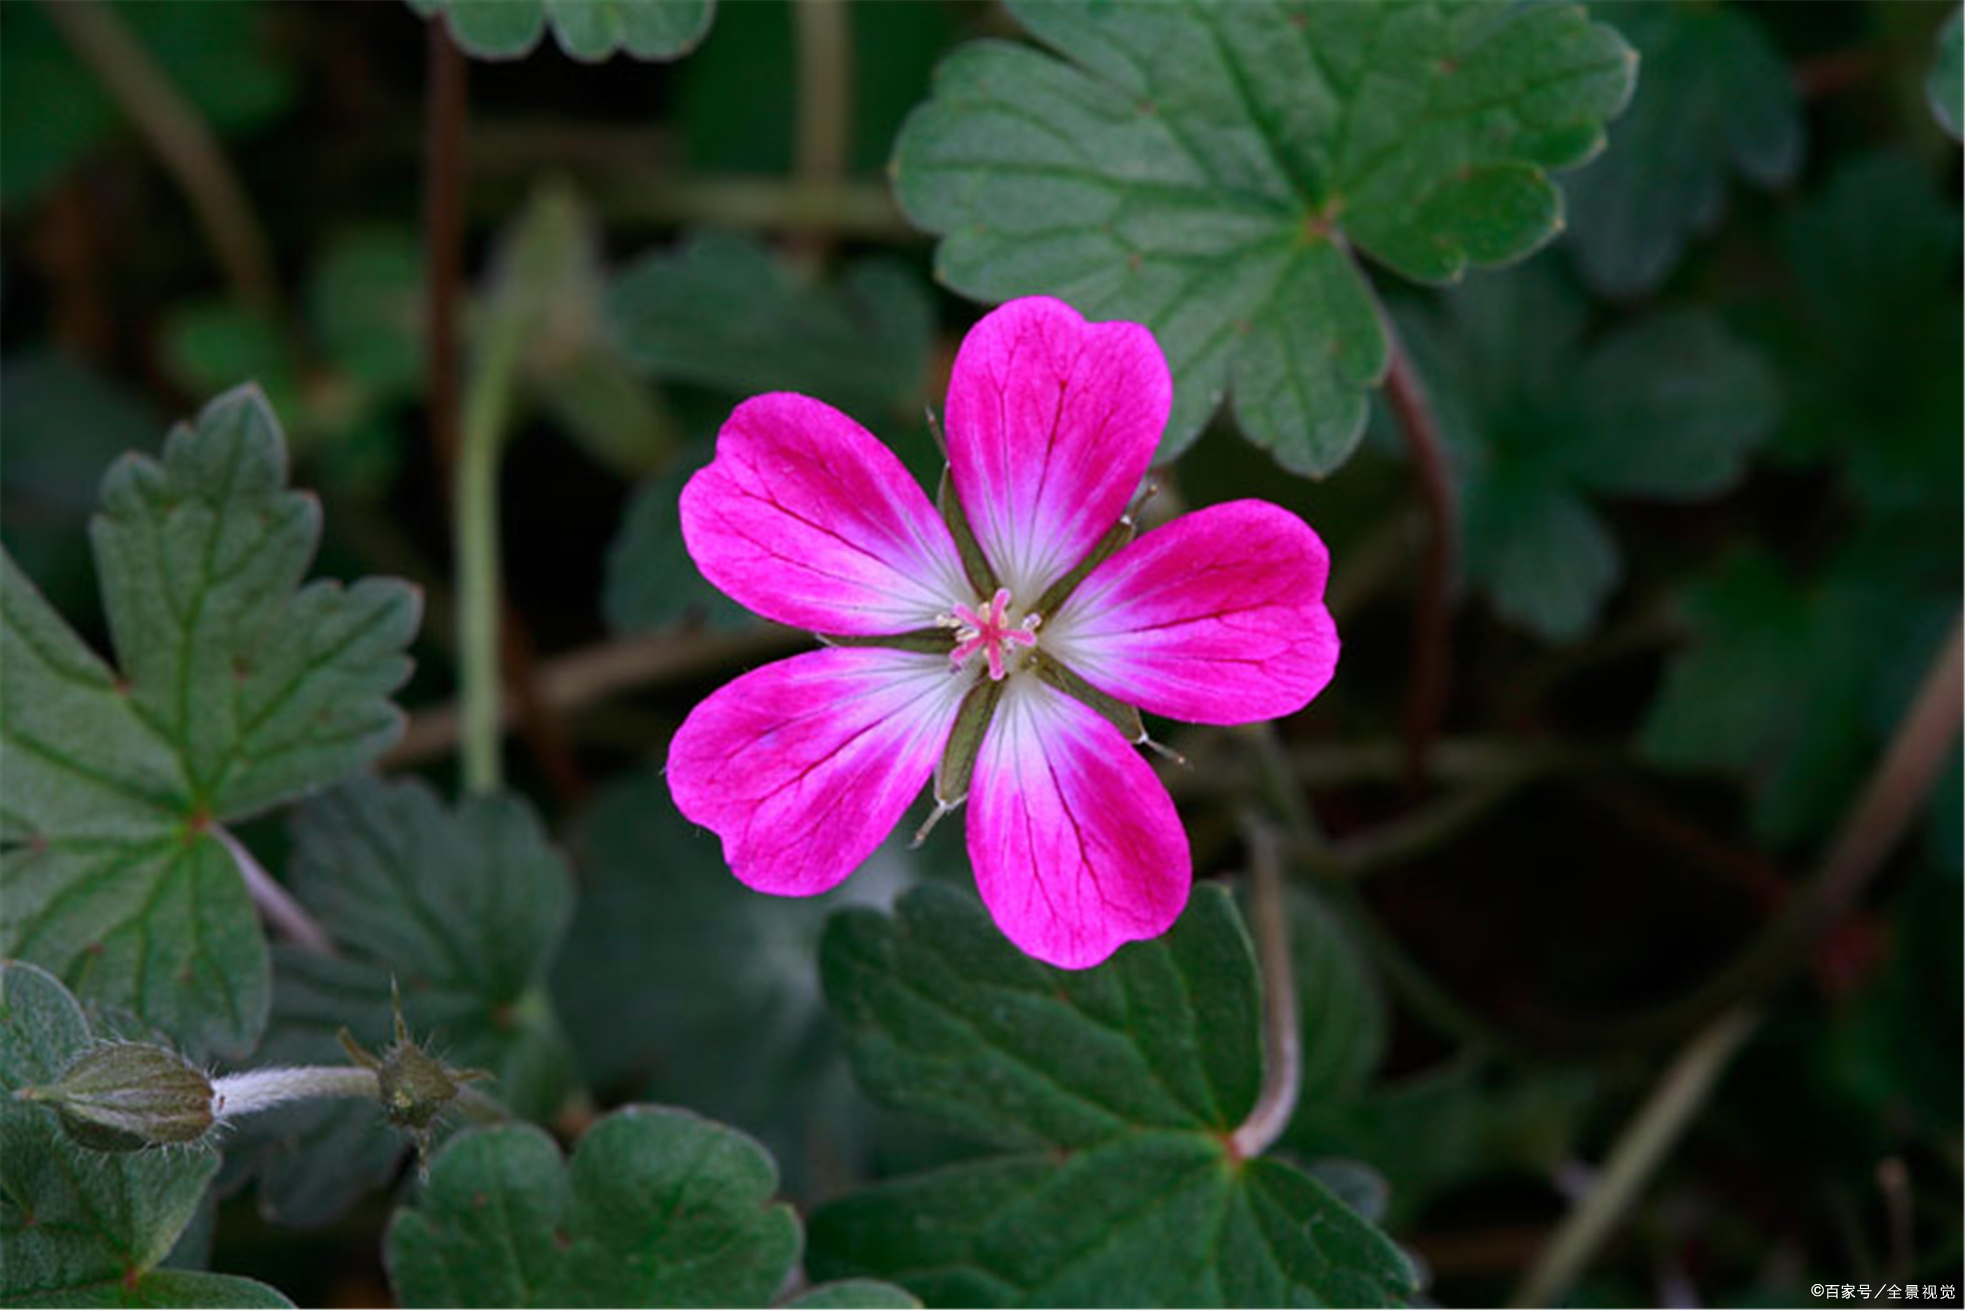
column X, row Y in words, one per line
column 988, row 633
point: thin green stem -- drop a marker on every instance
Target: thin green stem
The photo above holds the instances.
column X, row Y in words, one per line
column 1639, row 1150
column 487, row 408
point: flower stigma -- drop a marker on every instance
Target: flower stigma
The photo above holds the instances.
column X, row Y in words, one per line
column 991, row 633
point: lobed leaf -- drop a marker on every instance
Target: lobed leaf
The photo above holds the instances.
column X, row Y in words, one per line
column 1538, row 417
column 1432, row 1133
column 1111, row 1094
column 1870, row 347
column 657, row 1208
column 239, row 688
column 1208, row 170
column 1846, row 648
column 756, row 1050
column 588, row 30
column 83, row 1227
column 1341, row 1009
column 1716, row 99
column 722, row 312
column 1946, row 85
column 461, row 909
column 652, row 584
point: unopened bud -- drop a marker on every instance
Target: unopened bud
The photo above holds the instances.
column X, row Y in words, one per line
column 414, row 1087
column 125, row 1096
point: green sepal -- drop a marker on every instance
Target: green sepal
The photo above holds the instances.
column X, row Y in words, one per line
column 1120, row 533
column 927, row 641
column 981, row 576
column 1120, row 715
column 965, row 742
column 413, row 1086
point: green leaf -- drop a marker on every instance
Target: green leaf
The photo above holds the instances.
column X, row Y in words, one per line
column 209, row 343
column 1538, row 416
column 1109, row 1092
column 78, row 1227
column 735, row 101
column 1441, row 1130
column 587, row 30
column 1946, row 85
column 1792, row 684
column 239, row 689
column 547, row 291
column 722, row 312
column 652, row 585
column 220, row 60
column 1208, row 169
column 463, row 909
column 1716, row 98
column 1877, row 339
column 660, row 912
column 853, row 1294
column 1341, row 1009
column 365, row 304
column 64, row 422
column 163, row 1288
column 656, row 1208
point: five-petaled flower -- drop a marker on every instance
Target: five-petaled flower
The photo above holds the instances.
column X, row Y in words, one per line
column 1000, row 649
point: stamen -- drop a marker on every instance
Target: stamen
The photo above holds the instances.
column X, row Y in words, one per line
column 941, row 808
column 990, row 632
column 1166, row 752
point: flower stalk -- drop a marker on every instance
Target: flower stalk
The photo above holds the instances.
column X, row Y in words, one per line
column 1282, row 1039
column 287, row 915
column 132, row 1096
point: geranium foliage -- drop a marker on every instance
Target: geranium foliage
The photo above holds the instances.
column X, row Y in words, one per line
column 1106, row 1097
column 1210, row 170
column 814, row 653
column 238, row 687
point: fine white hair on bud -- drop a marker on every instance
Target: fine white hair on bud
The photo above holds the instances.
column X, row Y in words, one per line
column 125, row 1096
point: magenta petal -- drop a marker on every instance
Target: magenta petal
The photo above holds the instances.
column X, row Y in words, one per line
column 1051, row 424
column 1218, row 617
column 1076, row 845
column 803, row 766
column 805, row 518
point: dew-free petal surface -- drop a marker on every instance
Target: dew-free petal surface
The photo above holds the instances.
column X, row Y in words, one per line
column 806, row 518
column 803, row 766
column 1076, row 845
column 1218, row 617
column 1051, row 423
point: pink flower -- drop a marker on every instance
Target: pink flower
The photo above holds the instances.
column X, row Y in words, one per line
column 1014, row 680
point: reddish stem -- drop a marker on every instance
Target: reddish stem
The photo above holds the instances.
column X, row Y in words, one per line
column 1431, row 662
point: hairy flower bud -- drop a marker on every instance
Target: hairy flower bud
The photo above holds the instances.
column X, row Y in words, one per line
column 413, row 1086
column 125, row 1096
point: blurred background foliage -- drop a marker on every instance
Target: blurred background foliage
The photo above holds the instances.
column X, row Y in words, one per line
column 1708, row 449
